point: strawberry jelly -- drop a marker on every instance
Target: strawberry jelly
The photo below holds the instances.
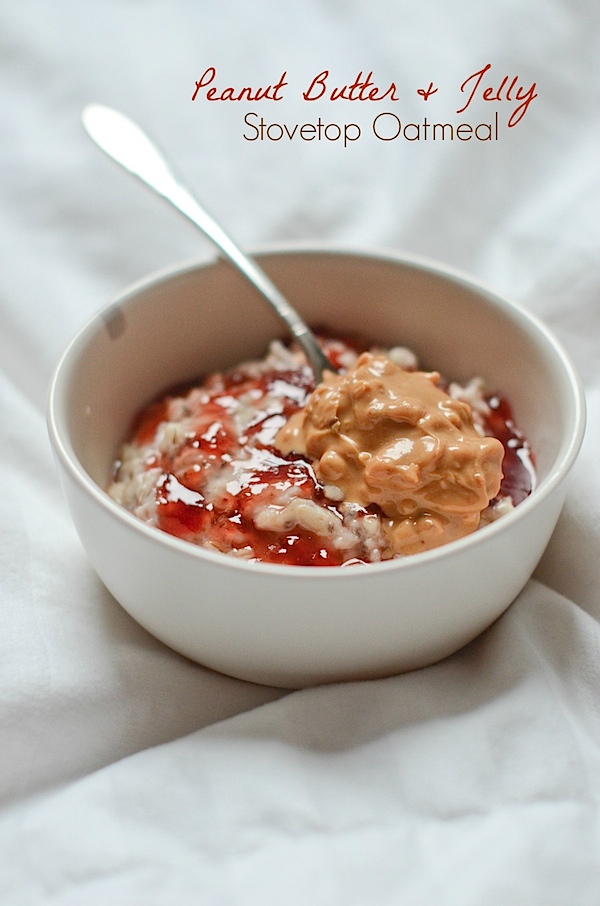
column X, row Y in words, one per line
column 517, row 466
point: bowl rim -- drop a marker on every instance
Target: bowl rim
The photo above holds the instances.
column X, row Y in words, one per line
column 559, row 470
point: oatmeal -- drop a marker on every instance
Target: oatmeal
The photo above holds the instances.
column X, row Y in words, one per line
column 380, row 461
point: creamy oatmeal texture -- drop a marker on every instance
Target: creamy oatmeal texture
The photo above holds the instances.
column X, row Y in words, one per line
column 377, row 462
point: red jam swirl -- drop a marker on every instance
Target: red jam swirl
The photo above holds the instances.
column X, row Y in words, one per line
column 518, row 465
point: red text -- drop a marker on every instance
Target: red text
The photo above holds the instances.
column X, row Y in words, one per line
column 514, row 92
column 247, row 93
column 361, row 89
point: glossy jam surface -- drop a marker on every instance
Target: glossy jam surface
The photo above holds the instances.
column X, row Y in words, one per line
column 517, row 466
column 202, row 464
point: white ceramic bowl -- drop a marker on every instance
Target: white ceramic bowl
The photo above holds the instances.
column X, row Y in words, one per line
column 285, row 625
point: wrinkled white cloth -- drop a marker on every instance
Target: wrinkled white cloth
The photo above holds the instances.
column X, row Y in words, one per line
column 131, row 775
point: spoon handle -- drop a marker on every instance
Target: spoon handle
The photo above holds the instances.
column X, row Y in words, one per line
column 129, row 146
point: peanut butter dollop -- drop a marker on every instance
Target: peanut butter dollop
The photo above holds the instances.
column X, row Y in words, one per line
column 385, row 436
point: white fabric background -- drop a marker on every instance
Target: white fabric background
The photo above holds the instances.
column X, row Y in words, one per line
column 130, row 775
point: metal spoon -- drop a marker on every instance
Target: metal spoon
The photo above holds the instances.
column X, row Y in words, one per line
column 129, row 146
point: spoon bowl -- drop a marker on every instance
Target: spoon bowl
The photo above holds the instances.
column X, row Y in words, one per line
column 288, row 625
